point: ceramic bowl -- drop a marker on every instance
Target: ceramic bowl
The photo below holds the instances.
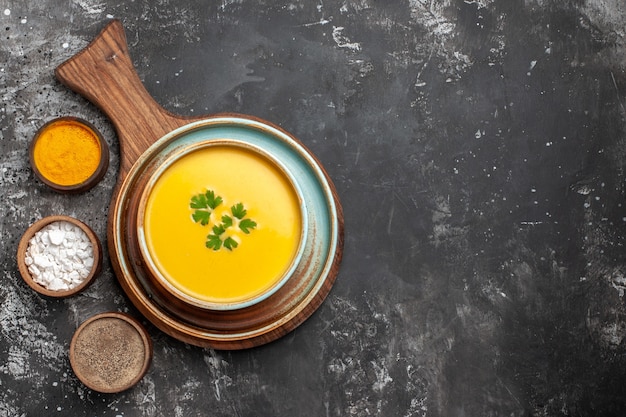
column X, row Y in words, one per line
column 110, row 352
column 22, row 250
column 206, row 270
column 91, row 180
column 262, row 318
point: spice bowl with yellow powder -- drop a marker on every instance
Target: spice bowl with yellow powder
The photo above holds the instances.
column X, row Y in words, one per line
column 69, row 155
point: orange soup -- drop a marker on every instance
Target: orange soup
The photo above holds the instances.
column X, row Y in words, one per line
column 193, row 244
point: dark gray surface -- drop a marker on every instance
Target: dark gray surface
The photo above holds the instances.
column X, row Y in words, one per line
column 477, row 148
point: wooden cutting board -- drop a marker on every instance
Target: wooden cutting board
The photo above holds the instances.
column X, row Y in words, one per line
column 104, row 74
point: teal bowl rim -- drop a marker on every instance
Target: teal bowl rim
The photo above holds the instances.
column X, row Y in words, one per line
column 327, row 224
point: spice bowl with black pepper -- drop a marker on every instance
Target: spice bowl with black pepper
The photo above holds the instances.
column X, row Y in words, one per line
column 110, row 352
column 69, row 155
column 59, row 256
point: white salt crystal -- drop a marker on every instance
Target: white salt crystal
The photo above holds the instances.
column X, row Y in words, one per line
column 41, row 261
column 74, row 276
column 59, row 256
column 56, row 284
column 34, row 270
column 56, row 236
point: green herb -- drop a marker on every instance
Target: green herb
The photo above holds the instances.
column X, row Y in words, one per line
column 218, row 229
column 201, row 216
column 246, row 224
column 230, row 243
column 238, row 211
column 212, row 200
column 199, row 202
column 204, row 204
column 213, row 242
column 227, row 221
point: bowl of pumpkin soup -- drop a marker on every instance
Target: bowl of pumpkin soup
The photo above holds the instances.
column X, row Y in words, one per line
column 226, row 233
column 221, row 224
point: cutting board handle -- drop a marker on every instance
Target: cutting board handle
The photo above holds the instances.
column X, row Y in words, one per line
column 104, row 74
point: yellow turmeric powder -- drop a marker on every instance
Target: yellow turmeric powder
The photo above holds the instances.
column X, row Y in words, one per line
column 67, row 152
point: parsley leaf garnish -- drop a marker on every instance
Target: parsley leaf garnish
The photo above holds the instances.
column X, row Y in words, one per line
column 212, row 200
column 218, row 229
column 227, row 221
column 201, row 216
column 199, row 202
column 230, row 243
column 213, row 242
column 246, row 224
column 204, row 204
column 238, row 211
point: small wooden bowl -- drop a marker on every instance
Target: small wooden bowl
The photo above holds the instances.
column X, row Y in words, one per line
column 88, row 182
column 110, row 352
column 23, row 246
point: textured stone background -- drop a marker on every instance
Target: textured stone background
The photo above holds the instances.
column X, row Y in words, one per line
column 478, row 148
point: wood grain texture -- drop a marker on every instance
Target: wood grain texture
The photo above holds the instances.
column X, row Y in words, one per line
column 254, row 325
column 104, row 74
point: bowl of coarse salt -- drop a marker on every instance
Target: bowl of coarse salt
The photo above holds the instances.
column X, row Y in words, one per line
column 59, row 256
